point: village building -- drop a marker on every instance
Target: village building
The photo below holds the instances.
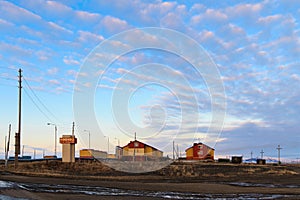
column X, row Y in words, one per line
column 138, row 151
column 200, row 151
column 92, row 154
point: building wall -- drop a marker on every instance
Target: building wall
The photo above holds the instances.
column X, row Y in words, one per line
column 68, row 147
column 140, row 151
column 91, row 153
column 148, row 151
column 68, row 153
column 199, row 152
column 190, row 153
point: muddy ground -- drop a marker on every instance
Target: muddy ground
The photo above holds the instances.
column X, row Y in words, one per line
column 208, row 179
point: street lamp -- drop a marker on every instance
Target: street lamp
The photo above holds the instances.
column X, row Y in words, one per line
column 55, row 135
column 107, row 144
column 89, row 137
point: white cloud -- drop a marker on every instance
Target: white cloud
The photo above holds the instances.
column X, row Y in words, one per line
column 270, row 19
column 69, row 60
column 54, row 82
column 244, row 10
column 15, row 50
column 197, row 8
column 59, row 28
column 85, row 36
column 87, row 16
column 295, row 77
column 52, row 71
column 75, row 73
column 103, row 86
column 113, row 24
column 17, row 14
column 6, row 23
column 57, row 8
column 210, row 16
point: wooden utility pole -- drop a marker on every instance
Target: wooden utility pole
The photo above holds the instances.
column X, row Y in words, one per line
column 134, row 142
column 18, row 134
column 173, row 150
column 7, row 146
column 73, row 127
column 177, row 152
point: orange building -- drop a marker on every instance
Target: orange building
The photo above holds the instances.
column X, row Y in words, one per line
column 200, row 151
column 138, row 151
column 92, row 154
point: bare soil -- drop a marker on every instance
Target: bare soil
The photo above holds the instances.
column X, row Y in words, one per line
column 200, row 178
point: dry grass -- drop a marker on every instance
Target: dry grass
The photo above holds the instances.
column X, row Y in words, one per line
column 93, row 169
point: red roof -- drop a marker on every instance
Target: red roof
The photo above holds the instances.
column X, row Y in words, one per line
column 138, row 144
column 199, row 143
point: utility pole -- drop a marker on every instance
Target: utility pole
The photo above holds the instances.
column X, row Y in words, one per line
column 279, row 148
column 55, row 136
column 173, row 150
column 22, row 151
column 89, row 132
column 73, row 126
column 107, row 145
column 134, row 142
column 18, row 134
column 118, row 141
column 5, row 145
column 251, row 155
column 262, row 153
column 55, row 130
column 177, row 153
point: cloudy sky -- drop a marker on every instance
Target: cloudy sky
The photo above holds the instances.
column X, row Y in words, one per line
column 254, row 47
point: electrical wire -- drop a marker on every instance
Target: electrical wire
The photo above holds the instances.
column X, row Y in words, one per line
column 7, row 78
column 7, row 81
column 39, row 100
column 37, row 106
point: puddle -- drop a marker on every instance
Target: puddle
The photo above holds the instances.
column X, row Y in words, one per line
column 104, row 191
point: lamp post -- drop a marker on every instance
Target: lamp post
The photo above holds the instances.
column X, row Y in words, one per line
column 55, row 136
column 107, row 144
column 89, row 137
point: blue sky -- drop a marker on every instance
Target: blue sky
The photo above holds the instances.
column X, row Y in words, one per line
column 254, row 44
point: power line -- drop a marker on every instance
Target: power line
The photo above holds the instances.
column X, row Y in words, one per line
column 39, row 100
column 8, row 78
column 37, row 106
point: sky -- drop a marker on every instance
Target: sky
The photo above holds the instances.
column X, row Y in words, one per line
column 253, row 47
